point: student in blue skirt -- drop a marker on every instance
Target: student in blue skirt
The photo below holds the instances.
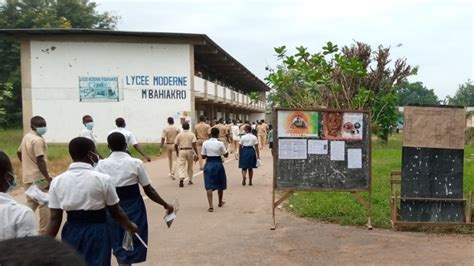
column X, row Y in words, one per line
column 249, row 153
column 85, row 194
column 127, row 173
column 214, row 172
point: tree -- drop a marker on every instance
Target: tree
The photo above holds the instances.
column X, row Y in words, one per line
column 27, row 14
column 354, row 77
column 464, row 95
column 415, row 93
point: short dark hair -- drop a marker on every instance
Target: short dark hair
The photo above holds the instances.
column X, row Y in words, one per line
column 170, row 120
column 79, row 148
column 202, row 118
column 116, row 141
column 39, row 251
column 185, row 125
column 85, row 118
column 215, row 132
column 247, row 128
column 5, row 165
column 37, row 121
column 221, row 121
column 120, row 122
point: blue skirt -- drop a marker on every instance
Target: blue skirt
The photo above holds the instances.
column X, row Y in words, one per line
column 214, row 174
column 87, row 233
column 248, row 158
column 132, row 204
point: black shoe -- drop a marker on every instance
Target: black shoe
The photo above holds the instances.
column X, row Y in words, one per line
column 181, row 183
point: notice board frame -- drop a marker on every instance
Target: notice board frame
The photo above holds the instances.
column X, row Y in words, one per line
column 288, row 191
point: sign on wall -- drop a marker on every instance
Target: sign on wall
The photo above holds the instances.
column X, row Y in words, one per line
column 98, row 89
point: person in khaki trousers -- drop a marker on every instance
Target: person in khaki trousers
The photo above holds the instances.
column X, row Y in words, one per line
column 167, row 137
column 186, row 151
column 262, row 135
column 202, row 131
column 33, row 156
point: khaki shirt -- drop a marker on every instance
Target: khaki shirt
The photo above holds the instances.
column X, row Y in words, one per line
column 32, row 146
column 261, row 130
column 169, row 134
column 202, row 130
column 223, row 132
column 185, row 139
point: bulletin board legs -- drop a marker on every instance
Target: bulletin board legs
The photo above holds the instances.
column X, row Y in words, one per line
column 276, row 203
column 367, row 203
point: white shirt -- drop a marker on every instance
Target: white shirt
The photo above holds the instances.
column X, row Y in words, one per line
column 124, row 170
column 248, row 139
column 16, row 220
column 213, row 147
column 82, row 188
column 129, row 137
column 86, row 133
column 235, row 132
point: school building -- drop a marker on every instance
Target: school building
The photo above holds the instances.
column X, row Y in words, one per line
column 144, row 77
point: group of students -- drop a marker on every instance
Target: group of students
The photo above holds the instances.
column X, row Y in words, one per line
column 210, row 143
column 100, row 197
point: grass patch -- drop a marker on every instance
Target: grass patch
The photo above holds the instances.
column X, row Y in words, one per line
column 58, row 154
column 342, row 208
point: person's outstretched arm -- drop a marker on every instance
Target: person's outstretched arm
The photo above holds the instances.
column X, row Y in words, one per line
column 154, row 196
column 139, row 149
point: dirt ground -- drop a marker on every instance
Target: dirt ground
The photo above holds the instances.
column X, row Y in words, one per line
column 239, row 233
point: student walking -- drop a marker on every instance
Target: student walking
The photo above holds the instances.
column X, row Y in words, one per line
column 85, row 194
column 249, row 153
column 202, row 131
column 33, row 155
column 214, row 172
column 186, row 151
column 131, row 140
column 17, row 220
column 127, row 173
column 167, row 137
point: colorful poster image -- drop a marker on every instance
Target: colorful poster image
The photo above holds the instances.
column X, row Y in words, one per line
column 98, row 89
column 298, row 124
column 342, row 126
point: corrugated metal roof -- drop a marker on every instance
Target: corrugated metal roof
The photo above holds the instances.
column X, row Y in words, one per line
column 206, row 51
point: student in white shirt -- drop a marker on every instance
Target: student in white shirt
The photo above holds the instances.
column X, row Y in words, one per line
column 234, row 129
column 214, row 172
column 85, row 194
column 249, row 153
column 87, row 132
column 129, row 137
column 127, row 173
column 16, row 220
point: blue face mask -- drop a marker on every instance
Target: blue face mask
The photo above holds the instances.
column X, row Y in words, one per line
column 89, row 125
column 12, row 184
column 41, row 130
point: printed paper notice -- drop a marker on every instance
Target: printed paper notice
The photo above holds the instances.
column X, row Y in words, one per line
column 292, row 149
column 354, row 158
column 338, row 150
column 317, row 146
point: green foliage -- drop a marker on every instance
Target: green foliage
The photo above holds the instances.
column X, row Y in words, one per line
column 6, row 95
column 342, row 208
column 415, row 93
column 25, row 14
column 353, row 77
column 464, row 95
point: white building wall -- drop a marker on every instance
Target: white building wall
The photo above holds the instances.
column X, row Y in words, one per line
column 256, row 116
column 57, row 66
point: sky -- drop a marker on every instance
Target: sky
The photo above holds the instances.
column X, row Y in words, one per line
column 435, row 35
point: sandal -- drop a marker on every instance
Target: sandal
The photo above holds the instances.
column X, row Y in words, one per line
column 210, row 209
column 221, row 204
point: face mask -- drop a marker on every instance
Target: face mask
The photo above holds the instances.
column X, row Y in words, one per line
column 12, row 184
column 90, row 125
column 96, row 160
column 41, row 130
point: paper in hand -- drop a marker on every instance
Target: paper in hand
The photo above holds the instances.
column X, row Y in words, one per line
column 169, row 218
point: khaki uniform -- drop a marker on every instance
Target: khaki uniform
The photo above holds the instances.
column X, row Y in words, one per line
column 31, row 147
column 262, row 136
column 265, row 125
column 185, row 141
column 202, row 131
column 223, row 133
column 169, row 134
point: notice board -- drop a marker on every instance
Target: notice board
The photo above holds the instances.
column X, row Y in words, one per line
column 432, row 164
column 321, row 149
